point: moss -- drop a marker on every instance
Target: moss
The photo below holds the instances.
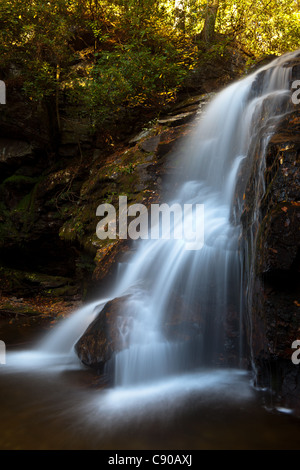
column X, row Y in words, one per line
column 27, row 282
column 25, row 204
column 16, row 223
column 7, row 226
column 10, row 219
column 85, row 263
column 33, row 277
column 20, row 179
column 81, row 226
column 16, row 310
column 26, row 210
column 64, row 291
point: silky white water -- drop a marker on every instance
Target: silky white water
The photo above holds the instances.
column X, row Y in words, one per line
column 163, row 277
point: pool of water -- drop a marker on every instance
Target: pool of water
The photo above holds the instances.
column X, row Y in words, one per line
column 50, row 401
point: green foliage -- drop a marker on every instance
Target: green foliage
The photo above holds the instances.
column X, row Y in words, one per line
column 20, row 179
column 34, row 39
column 127, row 77
column 133, row 52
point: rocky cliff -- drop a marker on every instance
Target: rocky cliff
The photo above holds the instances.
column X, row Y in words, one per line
column 271, row 225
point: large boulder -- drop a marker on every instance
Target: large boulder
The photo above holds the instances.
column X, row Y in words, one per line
column 110, row 331
column 103, row 338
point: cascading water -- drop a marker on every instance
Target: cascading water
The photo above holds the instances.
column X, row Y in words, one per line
column 166, row 280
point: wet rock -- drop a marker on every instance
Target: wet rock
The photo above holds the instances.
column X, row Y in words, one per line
column 106, row 258
column 16, row 155
column 145, row 133
column 24, row 120
column 186, row 103
column 109, row 333
column 75, row 132
column 12, row 149
column 169, row 139
column 69, row 150
column 177, row 120
column 150, row 145
column 106, row 335
column 273, row 222
column 14, row 281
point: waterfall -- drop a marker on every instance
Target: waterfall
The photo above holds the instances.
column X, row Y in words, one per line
column 165, row 280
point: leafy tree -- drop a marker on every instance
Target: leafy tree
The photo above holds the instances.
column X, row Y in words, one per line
column 134, row 52
column 261, row 26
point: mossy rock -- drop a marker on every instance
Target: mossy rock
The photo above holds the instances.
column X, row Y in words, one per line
column 19, row 282
column 15, row 309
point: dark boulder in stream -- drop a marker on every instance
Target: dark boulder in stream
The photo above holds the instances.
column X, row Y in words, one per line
column 105, row 335
column 110, row 331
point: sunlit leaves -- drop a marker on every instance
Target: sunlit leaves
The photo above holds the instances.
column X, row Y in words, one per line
column 138, row 52
column 261, row 26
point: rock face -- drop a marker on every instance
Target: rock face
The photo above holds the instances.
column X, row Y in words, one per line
column 49, row 194
column 271, row 224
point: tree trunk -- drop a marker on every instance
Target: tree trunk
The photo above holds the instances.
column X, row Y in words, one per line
column 208, row 32
column 180, row 15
